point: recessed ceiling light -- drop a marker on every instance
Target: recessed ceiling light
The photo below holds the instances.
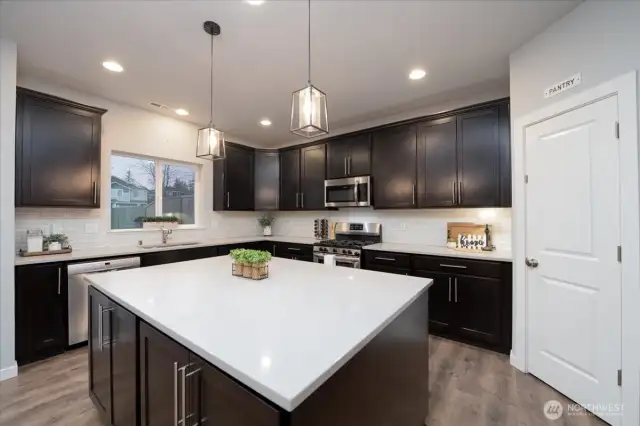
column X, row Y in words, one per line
column 112, row 66
column 417, row 74
column 255, row 2
column 182, row 111
column 265, row 122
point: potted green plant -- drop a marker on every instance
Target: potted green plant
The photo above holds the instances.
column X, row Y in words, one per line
column 238, row 256
column 56, row 242
column 250, row 263
column 157, row 222
column 266, row 222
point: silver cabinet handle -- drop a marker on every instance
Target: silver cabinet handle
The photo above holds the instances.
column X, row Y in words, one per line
column 446, row 265
column 413, row 194
column 100, row 327
column 297, row 194
column 95, row 192
column 294, row 248
column 175, row 394
column 454, row 192
column 456, row 290
column 302, row 199
column 59, row 278
column 227, row 200
column 459, row 192
column 184, row 398
column 345, row 167
column 274, row 249
column 390, row 259
column 102, row 310
column 449, row 289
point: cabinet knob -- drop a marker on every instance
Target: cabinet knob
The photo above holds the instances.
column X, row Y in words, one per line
column 531, row 262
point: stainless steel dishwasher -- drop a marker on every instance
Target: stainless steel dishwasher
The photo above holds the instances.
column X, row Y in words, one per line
column 79, row 292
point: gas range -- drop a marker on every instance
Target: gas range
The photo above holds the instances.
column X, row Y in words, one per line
column 347, row 246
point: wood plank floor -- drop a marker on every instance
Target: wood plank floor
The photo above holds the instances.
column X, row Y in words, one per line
column 469, row 387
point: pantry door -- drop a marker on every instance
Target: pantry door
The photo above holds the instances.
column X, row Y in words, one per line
column 572, row 239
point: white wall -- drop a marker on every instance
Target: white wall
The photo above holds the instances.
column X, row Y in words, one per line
column 601, row 40
column 8, row 70
column 136, row 131
column 402, row 226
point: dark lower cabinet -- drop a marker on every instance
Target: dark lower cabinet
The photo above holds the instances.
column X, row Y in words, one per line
column 394, row 167
column 178, row 387
column 181, row 255
column 40, row 311
column 440, row 298
column 162, row 364
column 478, row 306
column 112, row 360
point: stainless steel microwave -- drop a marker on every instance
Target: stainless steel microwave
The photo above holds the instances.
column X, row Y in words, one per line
column 348, row 192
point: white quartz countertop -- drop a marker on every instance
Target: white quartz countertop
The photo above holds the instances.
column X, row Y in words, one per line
column 282, row 336
column 497, row 255
column 109, row 251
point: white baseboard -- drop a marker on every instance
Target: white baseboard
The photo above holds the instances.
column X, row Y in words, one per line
column 517, row 362
column 9, row 372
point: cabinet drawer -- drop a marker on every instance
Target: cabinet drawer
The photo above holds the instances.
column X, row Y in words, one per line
column 389, row 270
column 297, row 250
column 387, row 259
column 458, row 266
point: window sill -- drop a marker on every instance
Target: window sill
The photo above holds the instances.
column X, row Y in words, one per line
column 135, row 231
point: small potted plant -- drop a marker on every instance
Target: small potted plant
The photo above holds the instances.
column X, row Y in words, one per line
column 238, row 256
column 266, row 222
column 56, row 242
column 157, row 222
column 252, row 264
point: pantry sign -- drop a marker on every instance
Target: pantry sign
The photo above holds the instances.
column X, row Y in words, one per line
column 564, row 85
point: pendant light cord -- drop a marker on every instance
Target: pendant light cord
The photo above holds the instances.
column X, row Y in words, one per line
column 309, row 41
column 211, row 87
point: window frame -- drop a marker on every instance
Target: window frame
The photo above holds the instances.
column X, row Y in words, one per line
column 159, row 194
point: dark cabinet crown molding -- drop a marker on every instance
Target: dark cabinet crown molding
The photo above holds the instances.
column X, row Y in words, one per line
column 46, row 97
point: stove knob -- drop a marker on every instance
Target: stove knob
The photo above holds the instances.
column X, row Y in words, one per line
column 348, row 251
column 335, row 250
column 323, row 249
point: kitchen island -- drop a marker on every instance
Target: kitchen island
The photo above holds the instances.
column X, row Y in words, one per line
column 188, row 343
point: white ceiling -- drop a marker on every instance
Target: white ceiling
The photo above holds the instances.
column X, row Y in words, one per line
column 362, row 52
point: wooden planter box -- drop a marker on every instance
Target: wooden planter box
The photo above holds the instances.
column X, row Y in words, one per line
column 251, row 271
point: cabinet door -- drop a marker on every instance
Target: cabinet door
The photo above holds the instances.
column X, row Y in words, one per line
column 394, row 168
column 122, row 338
column 478, row 159
column 478, row 308
column 99, row 353
column 161, row 361
column 40, row 302
column 267, row 181
column 337, row 158
column 218, row 400
column 58, row 154
column 239, row 179
column 388, row 269
column 504, row 131
column 160, row 258
column 360, row 155
column 440, row 301
column 289, row 179
column 437, row 166
column 312, row 173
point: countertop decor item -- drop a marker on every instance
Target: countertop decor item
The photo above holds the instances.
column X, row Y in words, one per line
column 157, row 222
column 211, row 140
column 253, row 264
column 23, row 253
column 55, row 242
column 309, row 104
column 35, row 240
column 467, row 236
column 266, row 222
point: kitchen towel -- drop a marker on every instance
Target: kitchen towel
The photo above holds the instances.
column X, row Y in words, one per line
column 330, row 260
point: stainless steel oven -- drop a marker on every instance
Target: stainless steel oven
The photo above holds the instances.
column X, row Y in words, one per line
column 347, row 261
column 348, row 192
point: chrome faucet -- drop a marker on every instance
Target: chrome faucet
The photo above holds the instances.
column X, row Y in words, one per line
column 165, row 234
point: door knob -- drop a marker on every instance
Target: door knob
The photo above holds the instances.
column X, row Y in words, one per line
column 531, row 262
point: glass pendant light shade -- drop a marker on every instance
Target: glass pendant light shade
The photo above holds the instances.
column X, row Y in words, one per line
column 309, row 112
column 210, row 143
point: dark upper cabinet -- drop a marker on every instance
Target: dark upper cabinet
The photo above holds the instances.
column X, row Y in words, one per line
column 112, row 360
column 394, row 167
column 479, row 159
column 267, row 180
column 349, row 156
column 504, row 136
column 216, row 399
column 57, row 151
column 437, row 163
column 290, row 179
column 161, row 364
column 234, row 179
column 40, row 303
column 312, row 176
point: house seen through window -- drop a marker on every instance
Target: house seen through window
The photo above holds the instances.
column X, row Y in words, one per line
column 143, row 187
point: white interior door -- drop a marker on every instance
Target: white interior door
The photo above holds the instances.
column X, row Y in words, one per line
column 573, row 231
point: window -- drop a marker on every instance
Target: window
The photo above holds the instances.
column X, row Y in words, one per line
column 135, row 191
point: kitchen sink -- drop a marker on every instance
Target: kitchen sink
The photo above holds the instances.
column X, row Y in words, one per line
column 153, row 246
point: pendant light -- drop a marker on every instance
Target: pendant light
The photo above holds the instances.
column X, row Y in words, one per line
column 210, row 139
column 309, row 105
